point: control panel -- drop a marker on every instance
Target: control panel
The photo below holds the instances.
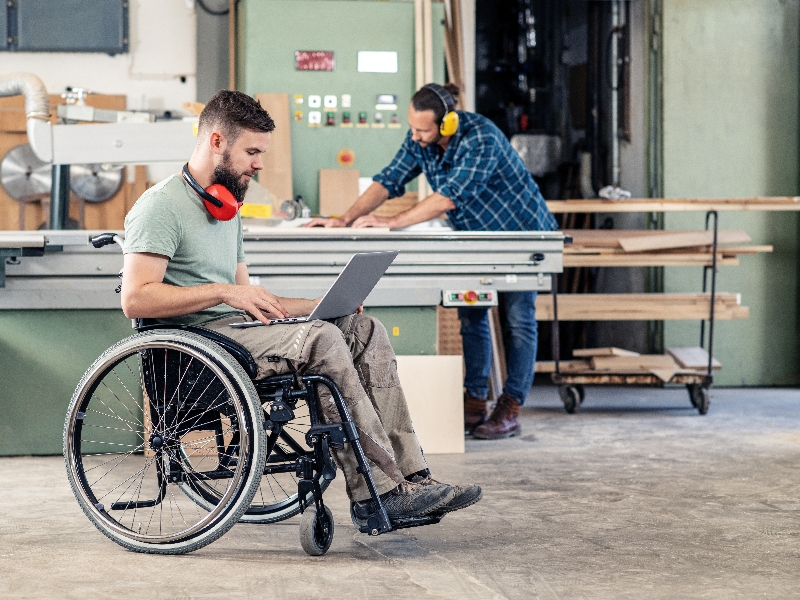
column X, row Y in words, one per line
column 455, row 298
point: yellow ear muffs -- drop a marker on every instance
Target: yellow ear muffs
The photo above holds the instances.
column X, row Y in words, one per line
column 449, row 124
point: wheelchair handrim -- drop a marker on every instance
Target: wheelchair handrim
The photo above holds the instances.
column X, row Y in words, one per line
column 75, row 460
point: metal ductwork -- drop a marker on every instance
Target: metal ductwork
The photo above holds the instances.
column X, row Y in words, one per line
column 37, row 110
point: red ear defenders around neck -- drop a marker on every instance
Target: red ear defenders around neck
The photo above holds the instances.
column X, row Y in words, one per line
column 218, row 199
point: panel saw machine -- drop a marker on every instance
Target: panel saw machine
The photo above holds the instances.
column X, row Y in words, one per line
column 57, row 270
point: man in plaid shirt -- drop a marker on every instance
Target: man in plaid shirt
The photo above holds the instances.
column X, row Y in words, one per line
column 483, row 185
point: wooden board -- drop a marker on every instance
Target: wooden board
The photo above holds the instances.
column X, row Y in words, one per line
column 608, row 351
column 636, row 307
column 434, row 392
column 661, row 259
column 693, row 358
column 276, row 175
column 626, row 364
column 338, row 190
column 776, row 203
column 681, row 239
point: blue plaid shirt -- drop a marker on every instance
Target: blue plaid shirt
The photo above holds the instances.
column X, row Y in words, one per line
column 480, row 172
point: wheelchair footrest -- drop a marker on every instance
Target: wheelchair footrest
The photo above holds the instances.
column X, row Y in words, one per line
column 405, row 523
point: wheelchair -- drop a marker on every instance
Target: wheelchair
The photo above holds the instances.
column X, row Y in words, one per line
column 170, row 440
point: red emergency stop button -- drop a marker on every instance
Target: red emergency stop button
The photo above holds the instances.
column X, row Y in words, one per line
column 471, row 297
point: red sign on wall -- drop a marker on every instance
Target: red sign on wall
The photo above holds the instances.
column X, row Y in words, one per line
column 312, row 60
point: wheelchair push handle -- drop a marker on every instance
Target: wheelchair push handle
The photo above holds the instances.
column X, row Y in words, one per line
column 104, row 239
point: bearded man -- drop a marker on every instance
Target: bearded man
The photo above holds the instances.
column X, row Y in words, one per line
column 185, row 265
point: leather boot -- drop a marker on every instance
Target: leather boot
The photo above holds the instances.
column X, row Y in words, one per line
column 474, row 412
column 503, row 423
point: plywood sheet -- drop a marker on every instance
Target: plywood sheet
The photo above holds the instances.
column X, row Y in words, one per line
column 434, row 392
column 277, row 173
column 693, row 358
column 338, row 191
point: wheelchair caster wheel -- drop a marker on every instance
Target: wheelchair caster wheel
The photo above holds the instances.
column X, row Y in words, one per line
column 316, row 531
column 571, row 397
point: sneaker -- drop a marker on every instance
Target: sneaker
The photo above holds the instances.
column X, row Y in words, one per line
column 465, row 495
column 408, row 499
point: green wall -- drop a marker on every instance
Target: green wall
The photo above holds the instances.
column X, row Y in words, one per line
column 43, row 355
column 270, row 31
column 730, row 123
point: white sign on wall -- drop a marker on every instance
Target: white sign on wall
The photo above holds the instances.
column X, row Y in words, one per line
column 377, row 62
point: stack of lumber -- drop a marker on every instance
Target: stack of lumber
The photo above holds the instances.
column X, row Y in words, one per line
column 655, row 248
column 644, row 307
column 616, row 361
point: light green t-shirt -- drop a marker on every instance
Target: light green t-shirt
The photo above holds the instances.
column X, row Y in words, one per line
column 171, row 219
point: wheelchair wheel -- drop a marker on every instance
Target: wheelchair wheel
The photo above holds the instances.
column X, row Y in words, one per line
column 158, row 412
column 275, row 498
column 316, row 530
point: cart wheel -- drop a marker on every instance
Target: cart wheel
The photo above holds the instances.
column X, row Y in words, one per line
column 699, row 397
column 316, row 531
column 581, row 392
column 571, row 397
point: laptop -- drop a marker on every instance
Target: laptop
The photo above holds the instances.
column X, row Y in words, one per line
column 347, row 293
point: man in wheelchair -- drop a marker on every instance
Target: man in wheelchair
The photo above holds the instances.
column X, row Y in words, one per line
column 184, row 264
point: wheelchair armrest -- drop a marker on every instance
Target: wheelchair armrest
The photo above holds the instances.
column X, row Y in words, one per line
column 235, row 349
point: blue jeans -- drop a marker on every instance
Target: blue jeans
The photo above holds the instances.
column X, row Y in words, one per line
column 520, row 338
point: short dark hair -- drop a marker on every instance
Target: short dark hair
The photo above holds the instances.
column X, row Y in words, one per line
column 427, row 99
column 233, row 111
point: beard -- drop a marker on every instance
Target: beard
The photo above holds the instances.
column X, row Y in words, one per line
column 226, row 176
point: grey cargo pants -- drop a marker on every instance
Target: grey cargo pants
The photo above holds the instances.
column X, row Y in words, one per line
column 355, row 352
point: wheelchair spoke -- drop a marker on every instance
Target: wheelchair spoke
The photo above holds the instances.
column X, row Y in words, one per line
column 160, row 442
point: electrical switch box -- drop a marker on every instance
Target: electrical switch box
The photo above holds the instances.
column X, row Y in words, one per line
column 465, row 298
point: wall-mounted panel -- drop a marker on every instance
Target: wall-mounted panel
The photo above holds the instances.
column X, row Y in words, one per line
column 66, row 26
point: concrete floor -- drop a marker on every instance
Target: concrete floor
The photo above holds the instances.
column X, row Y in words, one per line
column 635, row 497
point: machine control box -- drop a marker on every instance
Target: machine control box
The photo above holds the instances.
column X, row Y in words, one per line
column 454, row 298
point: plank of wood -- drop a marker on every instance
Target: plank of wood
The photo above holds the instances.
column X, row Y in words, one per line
column 338, row 190
column 607, row 351
column 777, row 203
column 693, row 358
column 647, row 260
column 276, row 176
column 681, row 239
column 627, row 364
column 645, row 307
column 564, row 366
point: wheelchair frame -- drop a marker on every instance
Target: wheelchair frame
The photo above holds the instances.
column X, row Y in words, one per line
column 278, row 397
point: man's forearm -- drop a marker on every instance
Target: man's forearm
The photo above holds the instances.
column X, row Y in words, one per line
column 430, row 208
column 161, row 300
column 371, row 199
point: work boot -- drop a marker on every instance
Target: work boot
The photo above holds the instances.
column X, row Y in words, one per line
column 474, row 412
column 503, row 423
column 408, row 499
column 465, row 495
